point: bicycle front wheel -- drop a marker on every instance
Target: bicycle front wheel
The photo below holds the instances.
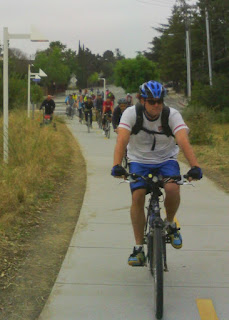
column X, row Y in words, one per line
column 88, row 124
column 157, row 266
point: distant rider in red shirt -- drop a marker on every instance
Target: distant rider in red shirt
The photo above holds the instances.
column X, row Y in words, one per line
column 108, row 108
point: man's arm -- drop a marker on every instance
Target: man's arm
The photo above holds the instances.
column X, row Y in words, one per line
column 42, row 105
column 121, row 144
column 183, row 142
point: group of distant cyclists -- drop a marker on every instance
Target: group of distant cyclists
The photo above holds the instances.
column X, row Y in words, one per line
column 103, row 103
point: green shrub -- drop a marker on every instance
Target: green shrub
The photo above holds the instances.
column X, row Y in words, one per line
column 221, row 116
column 17, row 91
column 37, row 94
column 200, row 122
column 214, row 97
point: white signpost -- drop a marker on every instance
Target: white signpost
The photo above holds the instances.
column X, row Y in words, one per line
column 33, row 36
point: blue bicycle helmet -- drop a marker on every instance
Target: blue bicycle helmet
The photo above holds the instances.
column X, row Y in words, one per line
column 152, row 89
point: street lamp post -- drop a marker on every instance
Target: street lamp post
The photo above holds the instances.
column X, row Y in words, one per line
column 6, row 38
column 104, row 87
column 188, row 61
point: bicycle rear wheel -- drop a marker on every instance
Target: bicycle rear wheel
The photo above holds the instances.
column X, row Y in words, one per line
column 108, row 130
column 157, row 266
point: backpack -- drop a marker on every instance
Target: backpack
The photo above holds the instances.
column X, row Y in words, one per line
column 164, row 122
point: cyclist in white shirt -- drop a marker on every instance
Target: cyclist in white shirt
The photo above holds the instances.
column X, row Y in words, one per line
column 150, row 149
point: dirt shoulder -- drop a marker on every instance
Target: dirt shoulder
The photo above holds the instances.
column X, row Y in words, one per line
column 38, row 257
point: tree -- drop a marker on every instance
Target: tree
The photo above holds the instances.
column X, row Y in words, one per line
column 131, row 73
column 118, row 54
column 93, row 79
column 18, row 62
column 54, row 66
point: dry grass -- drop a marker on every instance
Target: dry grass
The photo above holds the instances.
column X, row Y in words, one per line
column 42, row 193
column 39, row 162
column 214, row 158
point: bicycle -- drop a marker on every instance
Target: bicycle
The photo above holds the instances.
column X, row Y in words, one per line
column 81, row 115
column 107, row 126
column 88, row 122
column 99, row 119
column 70, row 112
column 155, row 235
column 47, row 119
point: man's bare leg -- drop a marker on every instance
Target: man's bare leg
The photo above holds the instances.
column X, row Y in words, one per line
column 172, row 200
column 137, row 214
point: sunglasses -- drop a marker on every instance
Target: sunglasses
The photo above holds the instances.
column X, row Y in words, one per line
column 154, row 101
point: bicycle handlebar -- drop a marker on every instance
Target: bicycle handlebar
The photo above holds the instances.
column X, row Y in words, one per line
column 180, row 179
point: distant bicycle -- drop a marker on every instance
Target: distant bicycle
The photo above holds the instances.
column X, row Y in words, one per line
column 70, row 112
column 81, row 115
column 99, row 119
column 88, row 120
column 107, row 126
column 47, row 120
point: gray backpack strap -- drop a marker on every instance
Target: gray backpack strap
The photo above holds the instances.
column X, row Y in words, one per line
column 165, row 121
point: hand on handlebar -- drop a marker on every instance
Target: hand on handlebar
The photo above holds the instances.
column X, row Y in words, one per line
column 195, row 173
column 118, row 172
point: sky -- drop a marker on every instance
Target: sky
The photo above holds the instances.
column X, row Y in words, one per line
column 99, row 24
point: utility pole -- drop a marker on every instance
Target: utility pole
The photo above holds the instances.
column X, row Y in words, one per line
column 208, row 46
column 188, row 51
column 188, row 48
column 188, row 58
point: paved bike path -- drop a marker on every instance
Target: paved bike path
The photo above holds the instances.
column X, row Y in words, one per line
column 95, row 282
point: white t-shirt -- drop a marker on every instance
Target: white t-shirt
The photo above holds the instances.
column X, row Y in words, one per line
column 140, row 145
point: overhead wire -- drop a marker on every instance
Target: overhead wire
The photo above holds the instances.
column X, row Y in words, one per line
column 154, row 4
column 163, row 1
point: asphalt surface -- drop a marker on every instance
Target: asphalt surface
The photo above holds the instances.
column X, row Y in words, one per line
column 95, row 282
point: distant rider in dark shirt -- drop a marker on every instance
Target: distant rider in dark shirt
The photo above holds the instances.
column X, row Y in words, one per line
column 49, row 105
column 118, row 111
column 98, row 104
column 88, row 105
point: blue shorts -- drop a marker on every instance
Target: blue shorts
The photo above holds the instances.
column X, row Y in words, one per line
column 166, row 169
